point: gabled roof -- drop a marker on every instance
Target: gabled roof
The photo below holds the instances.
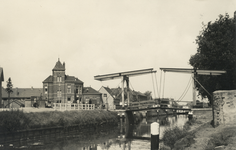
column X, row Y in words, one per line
column 72, row 79
column 23, row 92
column 138, row 93
column 109, row 91
column 1, row 74
column 116, row 92
column 89, row 90
column 59, row 66
column 48, row 80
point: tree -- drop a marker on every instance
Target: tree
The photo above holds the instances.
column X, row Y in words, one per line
column 216, row 51
column 9, row 90
column 148, row 94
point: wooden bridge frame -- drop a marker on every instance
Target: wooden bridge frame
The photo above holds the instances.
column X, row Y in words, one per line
column 194, row 72
column 124, row 78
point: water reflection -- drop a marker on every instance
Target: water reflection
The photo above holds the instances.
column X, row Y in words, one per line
column 121, row 137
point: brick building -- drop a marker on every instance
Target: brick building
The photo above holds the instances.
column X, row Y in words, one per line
column 62, row 88
column 91, row 96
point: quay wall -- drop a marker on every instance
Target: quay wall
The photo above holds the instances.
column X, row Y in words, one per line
column 224, row 111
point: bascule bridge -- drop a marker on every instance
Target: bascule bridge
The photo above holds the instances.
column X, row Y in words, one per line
column 194, row 72
column 124, row 76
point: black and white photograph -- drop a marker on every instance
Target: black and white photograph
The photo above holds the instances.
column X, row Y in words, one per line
column 118, row 74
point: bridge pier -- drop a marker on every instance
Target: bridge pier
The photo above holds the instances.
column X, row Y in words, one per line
column 130, row 117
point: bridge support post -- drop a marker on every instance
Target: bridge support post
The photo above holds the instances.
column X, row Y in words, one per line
column 155, row 136
column 123, row 92
column 130, row 117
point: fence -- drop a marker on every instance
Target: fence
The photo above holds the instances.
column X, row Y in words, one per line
column 10, row 109
column 73, row 106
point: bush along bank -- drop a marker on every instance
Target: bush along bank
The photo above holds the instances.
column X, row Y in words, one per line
column 179, row 138
column 12, row 121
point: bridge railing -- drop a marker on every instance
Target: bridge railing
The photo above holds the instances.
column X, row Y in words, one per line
column 142, row 104
column 73, row 106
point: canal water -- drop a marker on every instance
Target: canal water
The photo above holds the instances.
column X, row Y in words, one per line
column 120, row 137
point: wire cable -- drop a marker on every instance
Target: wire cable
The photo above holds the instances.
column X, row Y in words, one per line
column 163, row 86
column 185, row 90
column 160, row 84
column 156, row 85
column 153, row 85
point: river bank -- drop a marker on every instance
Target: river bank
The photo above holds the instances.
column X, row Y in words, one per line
column 203, row 136
column 13, row 121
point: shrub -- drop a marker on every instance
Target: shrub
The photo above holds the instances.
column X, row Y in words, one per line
column 13, row 120
column 171, row 135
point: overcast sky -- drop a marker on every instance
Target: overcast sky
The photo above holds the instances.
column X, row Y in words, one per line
column 95, row 37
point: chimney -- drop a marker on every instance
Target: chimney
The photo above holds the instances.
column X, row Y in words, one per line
column 64, row 65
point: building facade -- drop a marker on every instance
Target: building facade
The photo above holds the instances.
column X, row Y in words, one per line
column 112, row 97
column 62, row 88
column 20, row 97
column 91, row 96
column 108, row 98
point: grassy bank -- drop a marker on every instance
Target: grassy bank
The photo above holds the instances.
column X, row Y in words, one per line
column 225, row 137
column 172, row 135
column 12, row 121
column 181, row 138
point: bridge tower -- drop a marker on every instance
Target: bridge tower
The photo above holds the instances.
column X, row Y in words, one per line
column 124, row 78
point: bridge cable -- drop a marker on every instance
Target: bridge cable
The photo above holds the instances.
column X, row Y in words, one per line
column 133, row 90
column 202, row 86
column 160, row 84
column 156, row 85
column 153, row 85
column 163, row 85
column 185, row 91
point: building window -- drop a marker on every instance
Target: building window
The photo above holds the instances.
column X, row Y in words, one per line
column 77, row 90
column 59, row 79
column 46, row 89
column 59, row 93
column 69, row 89
column 104, row 95
column 68, row 98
